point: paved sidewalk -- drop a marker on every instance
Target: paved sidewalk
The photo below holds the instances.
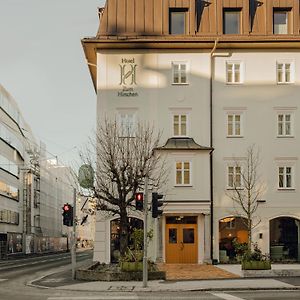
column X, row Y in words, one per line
column 193, row 285
column 195, row 271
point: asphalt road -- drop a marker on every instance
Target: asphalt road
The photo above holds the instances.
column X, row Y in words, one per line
column 15, row 275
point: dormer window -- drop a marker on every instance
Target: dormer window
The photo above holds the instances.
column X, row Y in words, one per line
column 232, row 21
column 178, row 21
column 281, row 21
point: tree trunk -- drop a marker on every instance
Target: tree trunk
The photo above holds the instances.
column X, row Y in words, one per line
column 124, row 233
column 249, row 234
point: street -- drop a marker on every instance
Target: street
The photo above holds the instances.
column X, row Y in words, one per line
column 44, row 278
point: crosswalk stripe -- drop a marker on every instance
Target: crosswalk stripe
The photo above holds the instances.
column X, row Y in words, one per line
column 226, row 296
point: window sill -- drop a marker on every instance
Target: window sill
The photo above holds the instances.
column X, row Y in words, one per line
column 235, row 136
column 234, row 83
column 173, row 83
column 233, row 189
column 286, row 189
column 183, row 185
column 285, row 136
column 285, row 83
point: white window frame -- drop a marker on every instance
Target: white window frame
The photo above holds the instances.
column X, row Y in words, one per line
column 126, row 113
column 180, row 63
column 234, row 174
column 231, row 224
column 179, row 114
column 234, row 124
column 284, row 124
column 182, row 173
column 284, row 72
column 285, row 174
column 234, row 64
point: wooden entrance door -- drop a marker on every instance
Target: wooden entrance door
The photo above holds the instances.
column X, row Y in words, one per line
column 181, row 243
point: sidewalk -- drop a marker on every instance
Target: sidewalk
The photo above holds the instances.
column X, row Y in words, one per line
column 173, row 286
column 62, row 281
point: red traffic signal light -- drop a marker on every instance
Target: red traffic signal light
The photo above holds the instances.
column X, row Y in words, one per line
column 67, row 214
column 139, row 201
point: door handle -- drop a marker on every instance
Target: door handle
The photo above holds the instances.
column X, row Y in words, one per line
column 182, row 246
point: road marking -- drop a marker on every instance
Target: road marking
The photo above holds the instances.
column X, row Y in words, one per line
column 106, row 297
column 3, row 280
column 226, row 296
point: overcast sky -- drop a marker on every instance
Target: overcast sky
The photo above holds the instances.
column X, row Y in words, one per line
column 42, row 66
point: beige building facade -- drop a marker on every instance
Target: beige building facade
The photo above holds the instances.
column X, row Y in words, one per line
column 215, row 77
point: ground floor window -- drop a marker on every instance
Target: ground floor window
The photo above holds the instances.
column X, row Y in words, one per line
column 115, row 236
column 233, row 237
column 284, row 239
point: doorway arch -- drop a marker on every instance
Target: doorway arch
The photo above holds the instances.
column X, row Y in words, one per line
column 115, row 235
column 233, row 238
column 284, row 239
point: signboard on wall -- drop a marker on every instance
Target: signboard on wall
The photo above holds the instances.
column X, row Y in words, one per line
column 128, row 73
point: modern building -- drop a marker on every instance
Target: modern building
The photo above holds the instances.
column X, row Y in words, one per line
column 32, row 188
column 217, row 76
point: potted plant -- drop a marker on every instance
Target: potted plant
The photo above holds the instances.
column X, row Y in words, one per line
column 255, row 260
column 240, row 249
column 133, row 259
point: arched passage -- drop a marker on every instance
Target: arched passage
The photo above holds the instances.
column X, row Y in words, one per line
column 284, row 239
column 115, row 236
column 233, row 237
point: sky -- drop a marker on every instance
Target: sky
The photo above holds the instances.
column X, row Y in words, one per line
column 42, row 66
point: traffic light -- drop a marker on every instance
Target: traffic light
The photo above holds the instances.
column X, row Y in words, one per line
column 67, row 214
column 156, row 204
column 139, row 201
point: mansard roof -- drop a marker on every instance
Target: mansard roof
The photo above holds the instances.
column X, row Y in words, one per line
column 144, row 24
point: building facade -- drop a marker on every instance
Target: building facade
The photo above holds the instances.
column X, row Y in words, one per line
column 32, row 188
column 217, row 77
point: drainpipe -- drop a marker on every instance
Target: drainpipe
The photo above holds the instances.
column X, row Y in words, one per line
column 212, row 67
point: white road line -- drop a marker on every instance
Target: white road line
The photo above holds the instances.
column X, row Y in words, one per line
column 133, row 297
column 2, row 279
column 226, row 296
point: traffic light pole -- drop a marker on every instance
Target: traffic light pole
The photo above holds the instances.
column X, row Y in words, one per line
column 145, row 264
column 73, row 238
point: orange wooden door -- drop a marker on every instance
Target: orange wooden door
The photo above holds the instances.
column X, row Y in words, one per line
column 181, row 243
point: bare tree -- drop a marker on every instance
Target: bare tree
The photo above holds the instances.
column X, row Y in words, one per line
column 123, row 158
column 247, row 190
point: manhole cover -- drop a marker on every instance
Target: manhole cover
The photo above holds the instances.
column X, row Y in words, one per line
column 121, row 288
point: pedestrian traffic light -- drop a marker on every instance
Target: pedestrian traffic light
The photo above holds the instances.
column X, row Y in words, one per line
column 67, row 214
column 139, row 201
column 156, row 204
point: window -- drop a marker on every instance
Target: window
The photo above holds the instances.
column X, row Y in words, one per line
column 233, row 72
column 234, row 125
column 285, row 178
column 234, row 179
column 177, row 21
column 230, row 224
column 231, row 21
column 183, row 173
column 280, row 21
column 127, row 124
column 180, row 125
column 284, row 124
column 179, row 70
column 285, row 72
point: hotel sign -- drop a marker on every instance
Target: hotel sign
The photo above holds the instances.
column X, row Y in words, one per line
column 128, row 78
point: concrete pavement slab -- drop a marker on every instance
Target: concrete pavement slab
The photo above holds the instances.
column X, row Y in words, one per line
column 164, row 286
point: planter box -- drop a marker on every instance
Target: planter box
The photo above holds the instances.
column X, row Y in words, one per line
column 256, row 265
column 131, row 266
